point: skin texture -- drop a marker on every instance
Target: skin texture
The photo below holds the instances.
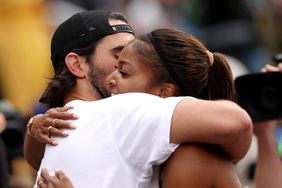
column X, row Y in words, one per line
column 198, row 165
column 131, row 75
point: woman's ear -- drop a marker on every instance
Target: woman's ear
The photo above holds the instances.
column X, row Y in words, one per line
column 167, row 90
column 75, row 64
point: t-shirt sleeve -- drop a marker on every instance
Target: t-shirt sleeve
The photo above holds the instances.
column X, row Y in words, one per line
column 141, row 128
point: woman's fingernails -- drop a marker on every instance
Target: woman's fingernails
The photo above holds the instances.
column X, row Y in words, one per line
column 65, row 133
column 73, row 126
column 75, row 115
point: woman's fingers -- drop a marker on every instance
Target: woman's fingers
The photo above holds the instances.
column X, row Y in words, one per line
column 52, row 123
column 61, row 113
column 60, row 124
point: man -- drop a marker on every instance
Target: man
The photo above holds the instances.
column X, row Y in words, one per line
column 70, row 36
column 134, row 164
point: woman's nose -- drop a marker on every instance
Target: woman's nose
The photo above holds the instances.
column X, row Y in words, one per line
column 111, row 80
column 112, row 83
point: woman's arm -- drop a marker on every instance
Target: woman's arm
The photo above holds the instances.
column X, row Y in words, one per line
column 220, row 122
column 38, row 133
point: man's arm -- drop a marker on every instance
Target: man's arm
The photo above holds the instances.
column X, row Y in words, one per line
column 220, row 122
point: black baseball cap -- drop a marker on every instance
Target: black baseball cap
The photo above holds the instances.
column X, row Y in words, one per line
column 80, row 31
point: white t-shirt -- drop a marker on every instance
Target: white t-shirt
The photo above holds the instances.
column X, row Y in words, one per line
column 117, row 142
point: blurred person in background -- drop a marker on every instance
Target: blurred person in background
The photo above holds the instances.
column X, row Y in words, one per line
column 147, row 15
column 261, row 167
column 276, row 6
column 60, row 10
column 226, row 26
column 268, row 173
column 268, row 170
column 12, row 142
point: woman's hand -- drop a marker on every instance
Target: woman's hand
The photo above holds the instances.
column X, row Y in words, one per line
column 60, row 180
column 42, row 126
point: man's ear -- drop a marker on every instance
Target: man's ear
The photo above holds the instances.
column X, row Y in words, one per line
column 167, row 90
column 75, row 64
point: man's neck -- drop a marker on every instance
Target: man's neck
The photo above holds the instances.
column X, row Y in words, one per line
column 82, row 93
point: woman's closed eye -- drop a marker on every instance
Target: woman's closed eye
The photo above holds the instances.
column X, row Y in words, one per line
column 122, row 73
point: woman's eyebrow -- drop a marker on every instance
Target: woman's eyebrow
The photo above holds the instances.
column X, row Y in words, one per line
column 124, row 62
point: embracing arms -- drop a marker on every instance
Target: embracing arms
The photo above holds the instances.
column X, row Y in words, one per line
column 220, row 122
column 216, row 122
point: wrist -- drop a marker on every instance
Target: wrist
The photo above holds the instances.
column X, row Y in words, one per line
column 30, row 124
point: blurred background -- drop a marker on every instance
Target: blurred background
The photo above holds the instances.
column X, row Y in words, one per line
column 249, row 32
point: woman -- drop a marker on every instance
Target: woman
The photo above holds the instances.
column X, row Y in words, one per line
column 168, row 63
